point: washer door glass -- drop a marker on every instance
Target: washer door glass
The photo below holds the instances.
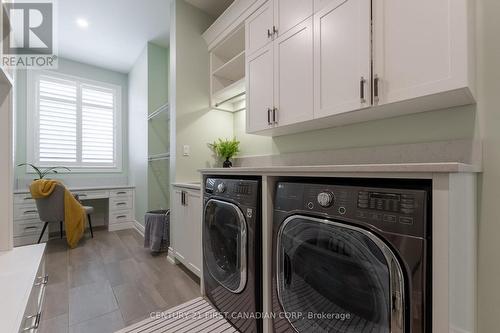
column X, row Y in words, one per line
column 336, row 278
column 224, row 244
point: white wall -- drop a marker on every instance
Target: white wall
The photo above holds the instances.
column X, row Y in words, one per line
column 138, row 129
column 69, row 67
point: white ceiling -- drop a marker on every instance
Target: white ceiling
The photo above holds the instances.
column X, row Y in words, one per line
column 211, row 7
column 117, row 33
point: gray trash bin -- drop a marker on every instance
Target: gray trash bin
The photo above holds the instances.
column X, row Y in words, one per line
column 157, row 230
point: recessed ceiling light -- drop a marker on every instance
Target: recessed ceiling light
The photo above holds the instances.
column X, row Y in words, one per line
column 82, row 23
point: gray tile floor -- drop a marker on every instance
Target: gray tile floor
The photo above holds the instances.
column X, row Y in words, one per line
column 108, row 282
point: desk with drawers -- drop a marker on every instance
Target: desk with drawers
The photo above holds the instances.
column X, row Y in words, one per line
column 27, row 224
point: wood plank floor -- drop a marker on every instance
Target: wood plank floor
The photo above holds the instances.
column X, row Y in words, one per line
column 109, row 282
column 196, row 316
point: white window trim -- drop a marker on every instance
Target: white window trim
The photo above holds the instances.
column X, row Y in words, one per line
column 32, row 120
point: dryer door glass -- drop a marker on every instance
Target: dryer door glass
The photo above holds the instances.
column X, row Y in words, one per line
column 224, row 244
column 336, row 278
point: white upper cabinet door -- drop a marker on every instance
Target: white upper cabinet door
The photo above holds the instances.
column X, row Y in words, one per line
column 342, row 57
column 421, row 48
column 289, row 13
column 259, row 90
column 293, row 66
column 320, row 4
column 259, row 28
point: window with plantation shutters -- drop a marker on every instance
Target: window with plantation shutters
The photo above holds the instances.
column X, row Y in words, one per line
column 75, row 123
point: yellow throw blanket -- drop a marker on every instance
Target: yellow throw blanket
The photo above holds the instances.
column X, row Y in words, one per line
column 74, row 213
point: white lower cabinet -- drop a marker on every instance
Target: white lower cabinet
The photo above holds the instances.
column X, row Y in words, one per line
column 186, row 222
column 28, row 226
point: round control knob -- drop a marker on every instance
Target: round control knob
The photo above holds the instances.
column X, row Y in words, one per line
column 221, row 188
column 325, row 199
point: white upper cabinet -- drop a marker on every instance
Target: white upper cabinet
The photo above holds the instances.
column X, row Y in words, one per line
column 289, row 13
column 322, row 63
column 259, row 28
column 293, row 78
column 422, row 48
column 342, row 57
column 260, row 94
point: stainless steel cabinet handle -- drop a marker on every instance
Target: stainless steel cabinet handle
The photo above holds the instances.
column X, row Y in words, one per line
column 122, row 192
column 376, row 81
column 30, row 211
column 38, row 316
column 44, row 280
column 121, row 203
column 36, row 324
column 32, row 227
column 275, row 116
column 27, row 198
column 362, row 90
column 269, row 110
column 121, row 216
column 275, row 30
column 269, row 33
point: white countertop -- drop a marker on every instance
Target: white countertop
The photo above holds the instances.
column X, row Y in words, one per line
column 450, row 167
column 193, row 186
column 89, row 188
column 18, row 269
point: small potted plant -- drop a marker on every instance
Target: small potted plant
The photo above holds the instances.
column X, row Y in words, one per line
column 226, row 149
column 42, row 173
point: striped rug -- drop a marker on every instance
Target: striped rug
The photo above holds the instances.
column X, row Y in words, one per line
column 197, row 316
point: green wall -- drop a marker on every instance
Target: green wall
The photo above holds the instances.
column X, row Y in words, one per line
column 158, row 127
column 195, row 124
column 74, row 178
column 457, row 123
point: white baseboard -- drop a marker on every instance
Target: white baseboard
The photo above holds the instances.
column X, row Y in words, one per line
column 139, row 228
column 121, row 226
column 454, row 329
column 171, row 257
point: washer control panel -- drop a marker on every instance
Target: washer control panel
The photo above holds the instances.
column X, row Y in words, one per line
column 393, row 210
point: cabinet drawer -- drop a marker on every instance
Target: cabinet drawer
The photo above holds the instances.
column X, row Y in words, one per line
column 120, row 216
column 23, row 212
column 31, row 228
column 30, row 239
column 90, row 195
column 33, row 313
column 120, row 203
column 121, row 193
column 23, row 199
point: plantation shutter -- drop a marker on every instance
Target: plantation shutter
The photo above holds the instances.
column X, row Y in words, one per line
column 57, row 128
column 97, row 125
column 75, row 123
